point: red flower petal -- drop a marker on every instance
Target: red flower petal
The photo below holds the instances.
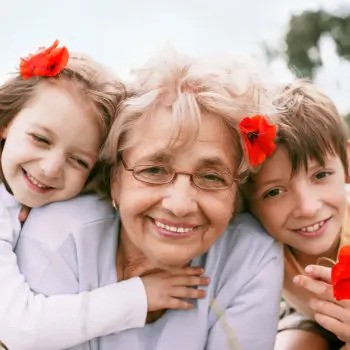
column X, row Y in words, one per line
column 46, row 62
column 341, row 275
column 258, row 138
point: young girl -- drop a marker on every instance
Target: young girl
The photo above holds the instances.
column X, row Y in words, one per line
column 54, row 118
column 299, row 195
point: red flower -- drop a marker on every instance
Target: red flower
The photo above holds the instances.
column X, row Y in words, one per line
column 341, row 275
column 258, row 138
column 46, row 62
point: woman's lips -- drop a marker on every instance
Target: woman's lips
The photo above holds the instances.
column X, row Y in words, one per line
column 172, row 230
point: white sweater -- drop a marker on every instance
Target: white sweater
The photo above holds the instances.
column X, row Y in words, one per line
column 34, row 321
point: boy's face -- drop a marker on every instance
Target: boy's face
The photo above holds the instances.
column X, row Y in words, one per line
column 50, row 147
column 305, row 211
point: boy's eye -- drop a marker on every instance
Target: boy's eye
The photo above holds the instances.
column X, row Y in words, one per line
column 272, row 193
column 322, row 174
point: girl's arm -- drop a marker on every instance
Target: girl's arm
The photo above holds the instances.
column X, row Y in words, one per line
column 33, row 321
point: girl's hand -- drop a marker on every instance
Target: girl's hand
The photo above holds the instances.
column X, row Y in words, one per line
column 329, row 313
column 23, row 214
column 169, row 290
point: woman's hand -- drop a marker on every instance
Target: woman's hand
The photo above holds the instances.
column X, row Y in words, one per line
column 166, row 290
column 329, row 313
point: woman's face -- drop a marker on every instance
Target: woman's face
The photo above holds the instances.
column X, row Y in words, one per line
column 172, row 223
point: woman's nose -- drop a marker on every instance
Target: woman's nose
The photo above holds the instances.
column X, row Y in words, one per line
column 180, row 196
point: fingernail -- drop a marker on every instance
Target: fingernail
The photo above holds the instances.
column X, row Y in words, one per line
column 308, row 269
column 296, row 279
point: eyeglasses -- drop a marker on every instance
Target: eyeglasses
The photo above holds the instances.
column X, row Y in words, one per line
column 154, row 174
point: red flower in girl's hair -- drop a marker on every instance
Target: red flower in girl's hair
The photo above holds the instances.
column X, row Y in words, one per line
column 46, row 62
column 258, row 138
column 341, row 275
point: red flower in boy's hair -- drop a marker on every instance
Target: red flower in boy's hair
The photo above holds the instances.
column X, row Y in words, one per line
column 341, row 275
column 46, row 62
column 258, row 138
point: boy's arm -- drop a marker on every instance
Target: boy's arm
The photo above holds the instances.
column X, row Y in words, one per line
column 33, row 321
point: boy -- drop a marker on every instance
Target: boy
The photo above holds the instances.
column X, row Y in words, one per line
column 299, row 196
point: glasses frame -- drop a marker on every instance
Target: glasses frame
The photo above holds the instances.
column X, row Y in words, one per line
column 173, row 178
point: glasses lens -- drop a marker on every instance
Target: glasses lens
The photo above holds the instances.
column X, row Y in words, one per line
column 154, row 174
column 212, row 180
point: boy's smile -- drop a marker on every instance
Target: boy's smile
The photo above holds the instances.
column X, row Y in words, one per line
column 304, row 210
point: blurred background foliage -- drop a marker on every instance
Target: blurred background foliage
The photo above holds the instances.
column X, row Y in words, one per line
column 301, row 47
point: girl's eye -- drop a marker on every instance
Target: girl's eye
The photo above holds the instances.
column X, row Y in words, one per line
column 40, row 139
column 322, row 174
column 272, row 193
column 81, row 163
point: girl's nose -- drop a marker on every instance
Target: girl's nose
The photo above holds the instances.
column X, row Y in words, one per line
column 51, row 165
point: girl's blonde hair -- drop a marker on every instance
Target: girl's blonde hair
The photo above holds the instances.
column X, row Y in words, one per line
column 98, row 88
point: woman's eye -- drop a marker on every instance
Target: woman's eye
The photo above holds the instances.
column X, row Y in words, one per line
column 40, row 139
column 272, row 193
column 322, row 174
column 153, row 170
column 212, row 177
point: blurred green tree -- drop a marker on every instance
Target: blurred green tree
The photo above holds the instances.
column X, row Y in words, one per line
column 303, row 38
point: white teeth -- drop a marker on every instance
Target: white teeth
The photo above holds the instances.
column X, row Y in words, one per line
column 312, row 228
column 173, row 228
column 36, row 182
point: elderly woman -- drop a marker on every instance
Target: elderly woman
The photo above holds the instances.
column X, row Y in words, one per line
column 175, row 158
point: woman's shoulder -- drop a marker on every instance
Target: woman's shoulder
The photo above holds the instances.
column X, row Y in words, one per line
column 55, row 222
column 246, row 240
column 83, row 208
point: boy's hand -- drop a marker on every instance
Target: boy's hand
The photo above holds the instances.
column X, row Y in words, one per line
column 166, row 290
column 329, row 313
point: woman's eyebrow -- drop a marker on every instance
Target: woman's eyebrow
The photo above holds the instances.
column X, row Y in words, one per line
column 213, row 161
column 158, row 157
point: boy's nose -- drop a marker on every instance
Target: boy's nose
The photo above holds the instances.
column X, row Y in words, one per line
column 307, row 203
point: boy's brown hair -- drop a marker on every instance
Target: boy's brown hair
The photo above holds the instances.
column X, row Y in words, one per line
column 309, row 126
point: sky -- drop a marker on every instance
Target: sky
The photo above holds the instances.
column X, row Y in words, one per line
column 123, row 34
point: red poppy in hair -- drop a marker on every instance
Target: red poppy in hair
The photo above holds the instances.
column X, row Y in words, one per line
column 258, row 138
column 47, row 62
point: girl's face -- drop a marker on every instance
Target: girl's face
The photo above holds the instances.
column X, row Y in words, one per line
column 172, row 223
column 50, row 147
column 306, row 210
